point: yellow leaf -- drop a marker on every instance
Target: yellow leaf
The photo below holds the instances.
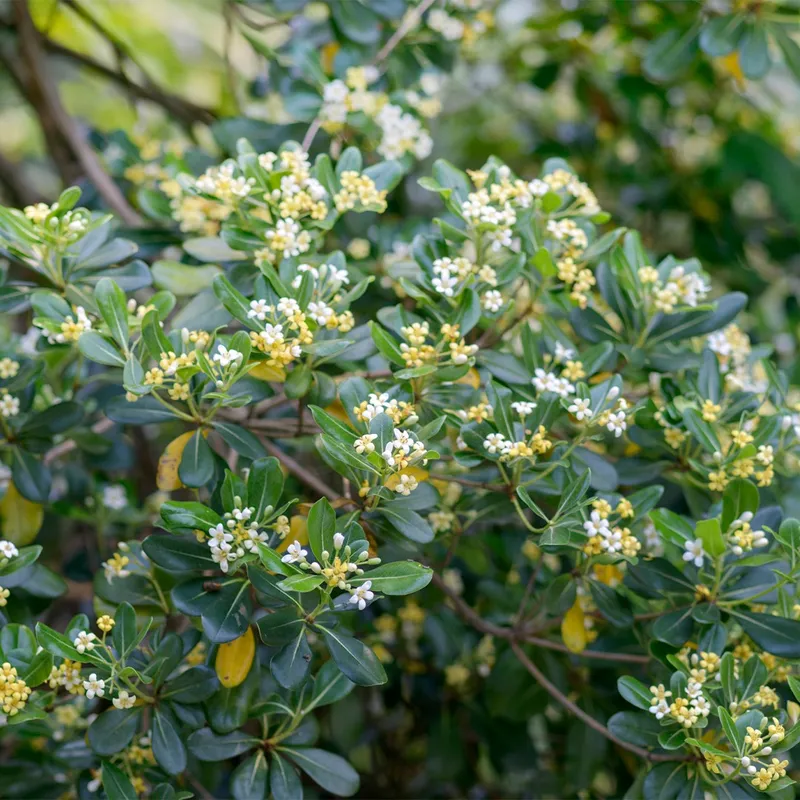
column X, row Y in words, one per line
column 336, row 409
column 730, row 64
column 573, row 630
column 234, row 659
column 327, row 54
column 21, row 518
column 415, row 472
column 264, row 372
column 298, row 532
column 167, row 478
column 600, row 377
column 472, row 378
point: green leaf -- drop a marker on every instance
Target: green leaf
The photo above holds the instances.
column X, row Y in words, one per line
column 386, row 344
column 330, row 686
column 99, row 349
column 177, row 554
column 208, row 746
column 291, row 663
column 333, row 427
column 112, row 305
column 720, row 35
column 185, row 517
column 249, row 779
column 284, row 782
column 354, row 659
column 279, row 627
column 635, row 727
column 264, row 485
column 790, row 48
column 635, row 692
column 224, row 606
column 56, row 643
column 301, row 583
column 113, row 730
column 675, row 627
column 407, row 522
column 731, row 731
column 397, row 578
column 197, row 462
column 754, row 57
column 669, row 55
column 710, row 532
column 124, row 632
column 776, row 635
column 116, row 783
column 701, row 430
column 740, row 495
column 195, row 685
column 330, row 771
column 240, row 439
column 145, row 411
column 31, row 477
column 183, row 279
column 168, row 747
column 321, row 527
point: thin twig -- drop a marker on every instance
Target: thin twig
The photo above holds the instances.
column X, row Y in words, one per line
column 409, row 23
column 300, row 472
column 589, row 720
column 490, row 487
column 43, row 87
column 69, row 445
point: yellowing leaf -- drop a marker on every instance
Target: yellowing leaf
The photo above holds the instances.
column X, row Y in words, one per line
column 573, row 630
column 298, row 531
column 336, row 409
column 608, row 574
column 472, row 378
column 326, row 56
column 730, row 64
column 415, row 472
column 167, row 478
column 21, row 518
column 600, row 377
column 234, row 659
column 264, row 372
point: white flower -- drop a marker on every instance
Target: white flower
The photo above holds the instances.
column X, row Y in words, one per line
column 361, row 595
column 660, row 709
column 124, row 700
column 294, row 553
column 580, row 408
column 596, row 525
column 523, row 407
column 94, row 687
column 338, row 541
column 259, row 309
column 617, row 423
column 225, row 357
column 563, row 353
column 694, row 552
column 84, row 641
column 364, row 444
column 114, row 497
column 494, row 442
column 219, row 537
column 611, row 539
column 8, row 549
column 321, row 313
column 222, row 556
column 492, row 301
column 444, row 283
column 406, row 485
column 9, row 406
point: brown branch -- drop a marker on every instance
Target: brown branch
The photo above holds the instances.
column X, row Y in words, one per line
column 300, row 472
column 69, row 445
column 468, row 614
column 409, row 23
column 41, row 86
column 183, row 110
column 490, row 487
column 589, row 720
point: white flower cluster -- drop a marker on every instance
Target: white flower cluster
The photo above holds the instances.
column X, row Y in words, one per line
column 238, row 535
column 403, row 450
column 9, row 405
column 329, row 278
column 402, row 133
column 681, row 288
column 337, row 571
column 8, row 549
column 544, row 381
column 452, row 275
column 220, row 182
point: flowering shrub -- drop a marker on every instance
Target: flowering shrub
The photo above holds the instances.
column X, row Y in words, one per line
column 562, row 450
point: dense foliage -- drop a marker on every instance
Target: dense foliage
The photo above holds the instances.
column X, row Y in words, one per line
column 325, row 470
